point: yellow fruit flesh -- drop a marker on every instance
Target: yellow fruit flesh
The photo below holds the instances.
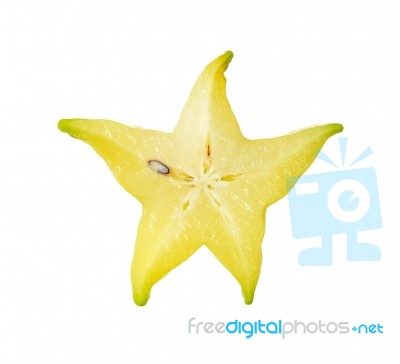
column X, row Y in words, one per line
column 203, row 184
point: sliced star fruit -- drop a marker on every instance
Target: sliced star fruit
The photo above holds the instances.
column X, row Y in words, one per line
column 202, row 184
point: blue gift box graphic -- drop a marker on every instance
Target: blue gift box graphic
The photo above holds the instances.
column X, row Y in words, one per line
column 343, row 201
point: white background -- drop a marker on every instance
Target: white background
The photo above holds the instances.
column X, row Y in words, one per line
column 67, row 229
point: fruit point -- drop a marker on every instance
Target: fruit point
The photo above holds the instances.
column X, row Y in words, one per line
column 202, row 184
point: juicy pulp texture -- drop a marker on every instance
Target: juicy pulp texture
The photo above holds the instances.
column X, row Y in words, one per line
column 203, row 184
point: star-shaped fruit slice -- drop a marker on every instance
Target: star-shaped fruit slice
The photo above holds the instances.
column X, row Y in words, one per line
column 202, row 184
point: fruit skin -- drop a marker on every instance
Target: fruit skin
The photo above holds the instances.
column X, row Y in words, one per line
column 203, row 184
